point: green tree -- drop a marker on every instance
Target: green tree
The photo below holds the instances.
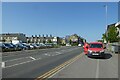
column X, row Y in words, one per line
column 44, row 41
column 104, row 37
column 70, row 41
column 112, row 34
column 49, row 41
column 99, row 40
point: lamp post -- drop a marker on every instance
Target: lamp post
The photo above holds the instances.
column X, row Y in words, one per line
column 106, row 7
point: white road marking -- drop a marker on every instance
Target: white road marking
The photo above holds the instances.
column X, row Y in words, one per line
column 16, row 59
column 58, row 53
column 97, row 69
column 52, row 55
column 47, row 54
column 3, row 65
column 61, row 69
column 32, row 58
column 21, row 63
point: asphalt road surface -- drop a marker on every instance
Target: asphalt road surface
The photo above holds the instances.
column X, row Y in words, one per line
column 64, row 62
column 31, row 64
column 85, row 67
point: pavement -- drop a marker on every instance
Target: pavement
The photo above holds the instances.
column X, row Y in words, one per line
column 86, row 67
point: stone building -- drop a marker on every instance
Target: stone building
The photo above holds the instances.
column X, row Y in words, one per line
column 8, row 37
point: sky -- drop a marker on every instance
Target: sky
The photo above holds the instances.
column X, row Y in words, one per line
column 87, row 19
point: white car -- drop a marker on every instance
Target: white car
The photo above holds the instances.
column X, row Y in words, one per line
column 68, row 45
column 80, row 45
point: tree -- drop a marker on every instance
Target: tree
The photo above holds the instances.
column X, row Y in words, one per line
column 99, row 40
column 44, row 41
column 49, row 41
column 70, row 41
column 104, row 37
column 112, row 35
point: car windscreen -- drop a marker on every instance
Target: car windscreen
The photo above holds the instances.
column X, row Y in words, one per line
column 96, row 46
column 7, row 44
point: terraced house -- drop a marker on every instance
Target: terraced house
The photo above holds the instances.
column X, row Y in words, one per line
column 8, row 37
column 118, row 28
column 43, row 39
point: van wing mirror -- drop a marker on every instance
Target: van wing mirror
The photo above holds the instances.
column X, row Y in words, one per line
column 87, row 47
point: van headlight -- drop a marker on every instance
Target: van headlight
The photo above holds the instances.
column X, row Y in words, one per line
column 102, row 51
column 89, row 51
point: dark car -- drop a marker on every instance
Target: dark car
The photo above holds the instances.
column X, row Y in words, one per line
column 21, row 46
column 16, row 47
column 10, row 47
column 3, row 47
column 26, row 45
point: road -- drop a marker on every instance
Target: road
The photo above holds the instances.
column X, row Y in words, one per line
column 86, row 67
column 64, row 62
column 31, row 64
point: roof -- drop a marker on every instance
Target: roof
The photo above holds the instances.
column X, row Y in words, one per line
column 117, row 24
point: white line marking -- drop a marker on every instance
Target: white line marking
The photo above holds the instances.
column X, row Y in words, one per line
column 47, row 54
column 62, row 69
column 21, row 63
column 32, row 58
column 16, row 59
column 3, row 64
column 58, row 53
column 97, row 69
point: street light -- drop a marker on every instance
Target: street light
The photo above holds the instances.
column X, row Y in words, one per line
column 106, row 7
column 106, row 21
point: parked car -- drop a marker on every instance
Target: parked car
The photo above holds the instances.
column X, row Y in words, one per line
column 96, row 49
column 23, row 47
column 36, row 46
column 3, row 47
column 68, row 44
column 16, row 47
column 85, row 47
column 10, row 47
column 27, row 45
column 79, row 45
column 48, row 45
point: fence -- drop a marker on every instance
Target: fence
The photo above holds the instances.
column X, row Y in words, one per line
column 113, row 47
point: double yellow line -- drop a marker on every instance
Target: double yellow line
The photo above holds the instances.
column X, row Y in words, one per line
column 50, row 73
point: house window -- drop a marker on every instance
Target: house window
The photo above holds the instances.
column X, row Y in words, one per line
column 1, row 38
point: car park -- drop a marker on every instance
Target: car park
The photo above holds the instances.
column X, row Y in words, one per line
column 26, row 45
column 96, row 49
column 48, row 45
column 3, row 47
column 9, row 46
column 16, row 47
column 23, row 47
column 36, row 46
column 31, row 46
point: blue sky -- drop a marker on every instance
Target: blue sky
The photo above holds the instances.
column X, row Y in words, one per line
column 86, row 19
